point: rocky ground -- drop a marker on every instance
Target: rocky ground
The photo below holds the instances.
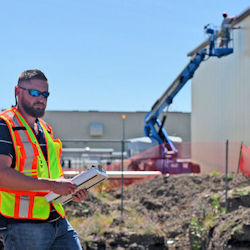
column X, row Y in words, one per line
column 167, row 212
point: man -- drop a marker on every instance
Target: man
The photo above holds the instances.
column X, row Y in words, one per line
column 225, row 29
column 30, row 168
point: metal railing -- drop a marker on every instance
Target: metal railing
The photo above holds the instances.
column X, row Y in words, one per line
column 84, row 153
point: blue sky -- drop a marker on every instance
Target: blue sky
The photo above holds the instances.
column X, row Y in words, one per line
column 106, row 55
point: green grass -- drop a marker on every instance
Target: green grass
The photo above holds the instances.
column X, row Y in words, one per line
column 200, row 226
column 237, row 228
column 97, row 224
column 214, row 173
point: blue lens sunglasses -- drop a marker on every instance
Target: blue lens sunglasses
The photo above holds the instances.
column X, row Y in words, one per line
column 36, row 93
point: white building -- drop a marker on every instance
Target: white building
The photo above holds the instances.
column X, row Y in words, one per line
column 221, row 101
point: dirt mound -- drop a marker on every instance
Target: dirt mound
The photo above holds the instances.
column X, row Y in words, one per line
column 169, row 212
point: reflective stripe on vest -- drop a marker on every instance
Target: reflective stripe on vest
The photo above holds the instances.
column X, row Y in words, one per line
column 29, row 161
column 24, row 206
column 30, row 152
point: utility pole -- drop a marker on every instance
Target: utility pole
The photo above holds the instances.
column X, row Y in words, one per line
column 226, row 178
column 122, row 178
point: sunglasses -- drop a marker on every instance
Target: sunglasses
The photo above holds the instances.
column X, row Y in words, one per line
column 36, row 93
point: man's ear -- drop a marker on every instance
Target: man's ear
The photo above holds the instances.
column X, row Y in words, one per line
column 17, row 92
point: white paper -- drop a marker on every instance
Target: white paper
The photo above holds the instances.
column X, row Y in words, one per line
column 86, row 179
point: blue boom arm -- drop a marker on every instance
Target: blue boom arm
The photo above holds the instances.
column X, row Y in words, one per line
column 153, row 125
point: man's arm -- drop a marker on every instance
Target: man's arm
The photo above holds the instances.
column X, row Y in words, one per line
column 14, row 180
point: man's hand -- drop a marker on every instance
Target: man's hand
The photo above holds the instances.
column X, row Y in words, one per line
column 80, row 195
column 63, row 186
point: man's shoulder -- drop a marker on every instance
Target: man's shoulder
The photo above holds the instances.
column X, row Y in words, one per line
column 5, row 137
column 2, row 123
column 6, row 144
column 3, row 126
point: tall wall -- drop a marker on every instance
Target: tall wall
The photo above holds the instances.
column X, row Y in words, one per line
column 220, row 100
column 76, row 125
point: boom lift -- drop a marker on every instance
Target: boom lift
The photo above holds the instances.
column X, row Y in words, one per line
column 154, row 127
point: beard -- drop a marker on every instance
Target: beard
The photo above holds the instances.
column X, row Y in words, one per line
column 33, row 111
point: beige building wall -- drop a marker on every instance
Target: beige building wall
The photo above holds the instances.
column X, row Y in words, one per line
column 220, row 102
column 76, row 125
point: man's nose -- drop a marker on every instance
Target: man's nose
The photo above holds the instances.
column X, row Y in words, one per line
column 40, row 98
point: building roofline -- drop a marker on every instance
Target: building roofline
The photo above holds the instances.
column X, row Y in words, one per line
column 237, row 19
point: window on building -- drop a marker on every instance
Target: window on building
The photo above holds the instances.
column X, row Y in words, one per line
column 96, row 129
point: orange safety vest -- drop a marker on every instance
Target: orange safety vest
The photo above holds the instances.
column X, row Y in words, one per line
column 26, row 204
